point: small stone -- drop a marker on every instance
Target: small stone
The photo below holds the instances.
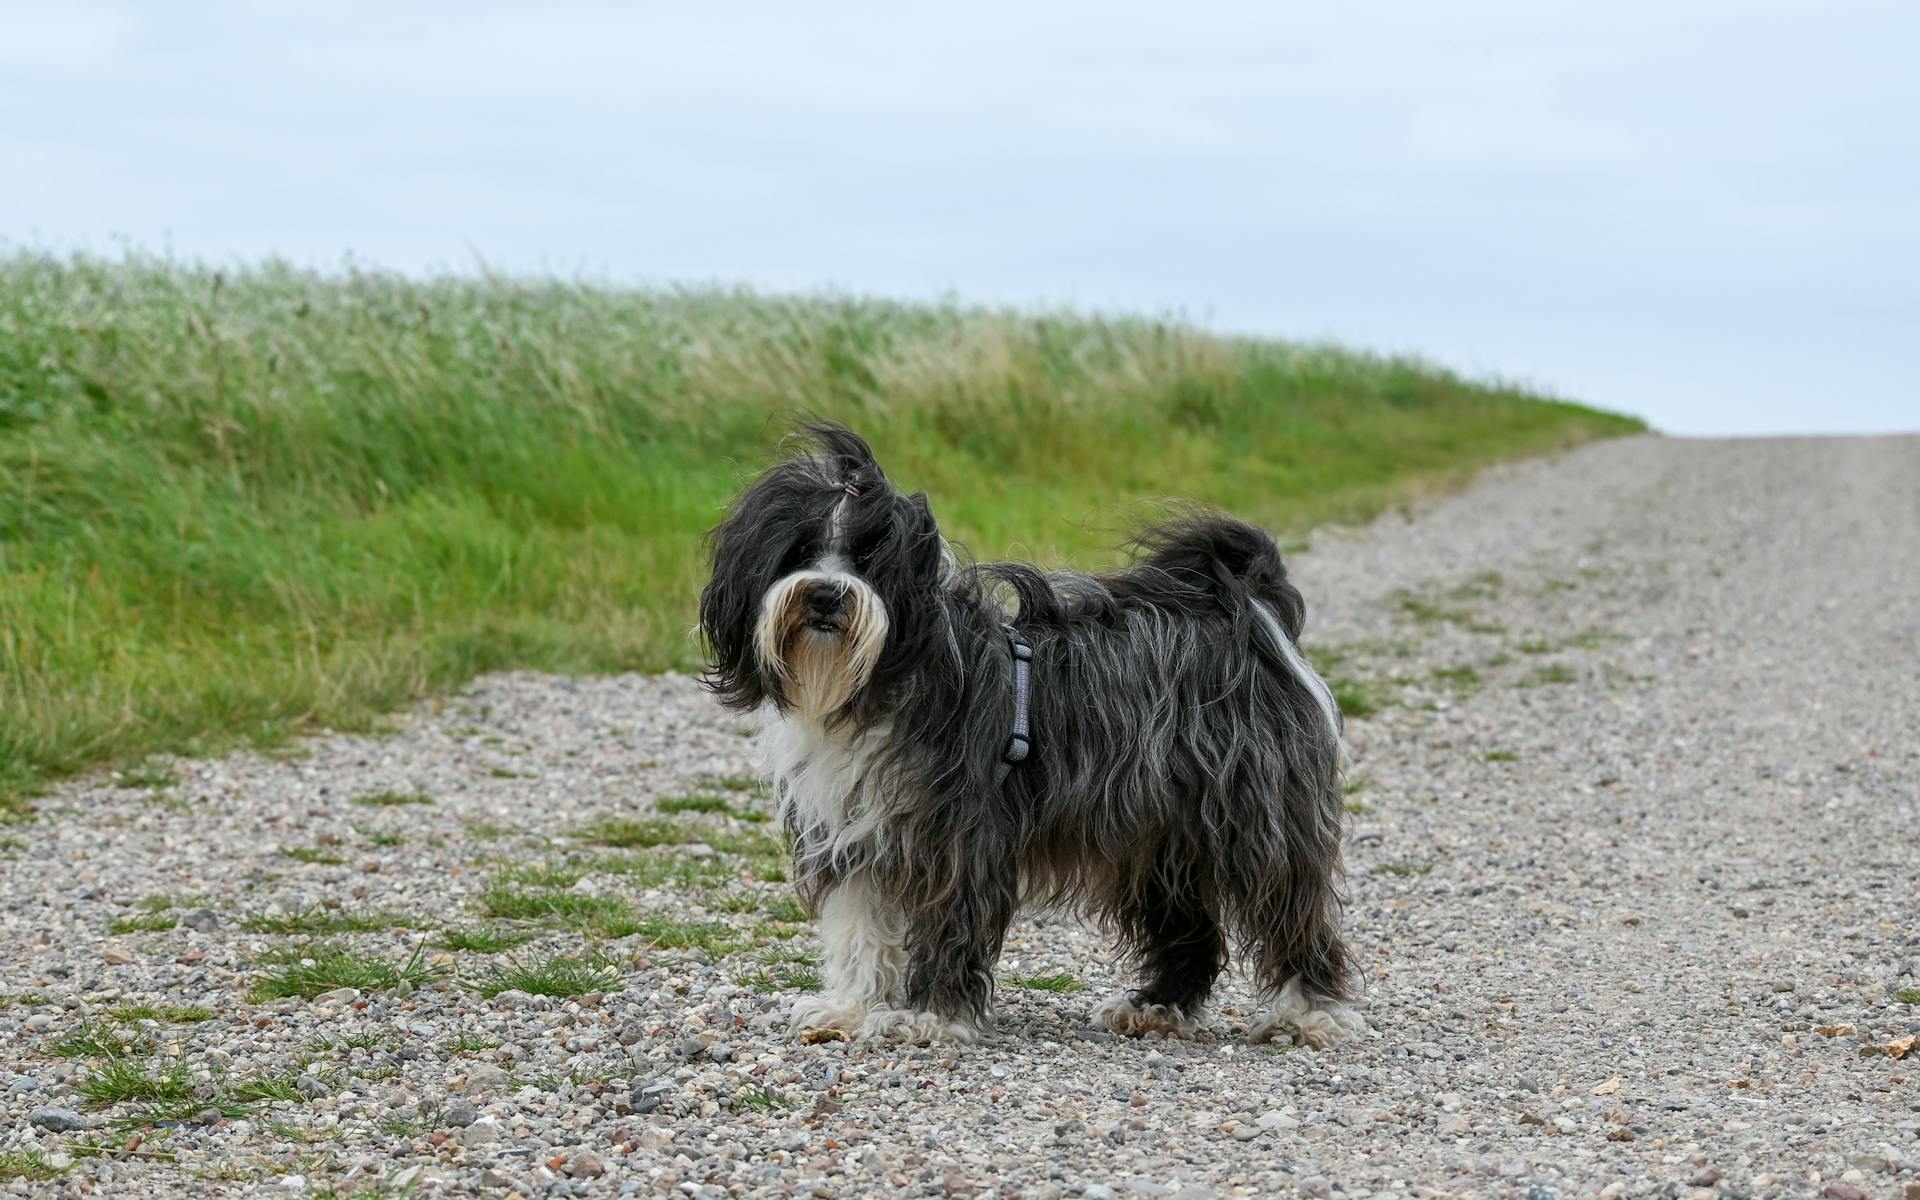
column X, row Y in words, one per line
column 24, row 1084
column 1275, row 1119
column 1245, row 1133
column 491, row 1178
column 115, row 957
column 482, row 1131
column 1454, row 1123
column 310, row 1087
column 1705, row 1177
column 459, row 1113
column 585, row 1166
column 1844, row 1191
column 200, row 920
column 337, row 998
column 689, row 1048
column 59, row 1120
column 1316, row 1185
column 1099, row 1191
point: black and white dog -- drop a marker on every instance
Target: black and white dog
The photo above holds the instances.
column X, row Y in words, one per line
column 1182, row 783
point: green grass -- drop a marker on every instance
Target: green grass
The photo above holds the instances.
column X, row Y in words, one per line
column 1502, row 756
column 559, row 975
column 30, row 1165
column 1549, row 674
column 316, row 967
column 145, row 923
column 625, row 833
column 699, row 802
column 391, row 799
column 1057, row 981
column 318, row 921
column 120, row 1081
column 1403, row 868
column 1359, row 697
column 170, row 1014
column 235, row 504
column 100, row 1041
column 1908, row 995
column 312, row 854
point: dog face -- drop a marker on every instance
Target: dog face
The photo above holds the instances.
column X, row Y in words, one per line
column 825, row 581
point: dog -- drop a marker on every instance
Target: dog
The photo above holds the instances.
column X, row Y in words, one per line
column 950, row 742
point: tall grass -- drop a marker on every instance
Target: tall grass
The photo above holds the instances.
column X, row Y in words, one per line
column 237, row 503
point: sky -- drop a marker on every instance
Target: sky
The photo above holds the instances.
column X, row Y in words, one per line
column 1707, row 214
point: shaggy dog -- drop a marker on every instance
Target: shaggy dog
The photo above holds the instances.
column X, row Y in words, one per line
column 950, row 742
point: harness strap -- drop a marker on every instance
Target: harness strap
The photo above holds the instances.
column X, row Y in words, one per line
column 1021, row 740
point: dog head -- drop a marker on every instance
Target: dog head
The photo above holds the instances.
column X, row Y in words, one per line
column 825, row 582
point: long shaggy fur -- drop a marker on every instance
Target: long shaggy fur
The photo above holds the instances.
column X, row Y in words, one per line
column 1183, row 782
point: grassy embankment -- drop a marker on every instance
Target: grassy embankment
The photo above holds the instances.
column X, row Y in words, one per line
column 233, row 505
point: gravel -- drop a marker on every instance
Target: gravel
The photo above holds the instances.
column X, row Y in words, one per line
column 1633, row 871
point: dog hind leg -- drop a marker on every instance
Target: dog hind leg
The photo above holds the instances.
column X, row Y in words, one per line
column 1166, row 916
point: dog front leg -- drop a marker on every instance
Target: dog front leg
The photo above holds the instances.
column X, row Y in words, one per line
column 865, row 959
column 953, row 945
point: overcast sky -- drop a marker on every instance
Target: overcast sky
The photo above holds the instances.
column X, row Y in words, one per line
column 1705, row 213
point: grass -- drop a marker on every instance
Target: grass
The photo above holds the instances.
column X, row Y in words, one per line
column 1502, row 756
column 1908, row 995
column 100, row 1041
column 1551, row 673
column 559, row 975
column 1358, row 697
column 625, row 833
column 240, row 503
column 1403, row 868
column 391, row 799
column 30, row 1165
column 312, row 854
column 1057, row 981
column 699, row 802
column 120, row 1081
column 157, row 922
column 308, row 970
column 318, row 921
column 168, row 1014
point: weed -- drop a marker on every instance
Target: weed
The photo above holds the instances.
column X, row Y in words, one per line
column 549, row 874
column 1535, row 646
column 1908, row 995
column 1358, row 698
column 391, row 799
column 268, row 1088
column 146, row 776
column 100, row 1041
column 731, row 783
column 380, row 837
column 170, row 1014
column 470, row 1043
column 625, row 833
column 1502, row 756
column 318, row 921
column 1354, row 805
column 30, row 1165
column 566, row 907
column 316, row 967
column 654, row 870
column 698, row 802
column 785, row 908
column 1461, row 679
column 1551, row 673
column 488, row 831
column 1403, row 868
column 1057, row 981
column 312, row 854
column 122, row 1081
column 559, row 975
column 145, row 923
column 759, row 1099
column 717, row 938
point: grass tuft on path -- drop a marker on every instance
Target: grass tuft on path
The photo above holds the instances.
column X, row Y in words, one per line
column 236, row 504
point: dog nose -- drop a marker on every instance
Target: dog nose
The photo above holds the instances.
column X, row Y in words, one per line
column 824, row 600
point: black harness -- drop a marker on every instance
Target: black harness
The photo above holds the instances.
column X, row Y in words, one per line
column 1020, row 743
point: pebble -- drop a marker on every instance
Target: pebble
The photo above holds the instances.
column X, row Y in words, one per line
column 59, row 1120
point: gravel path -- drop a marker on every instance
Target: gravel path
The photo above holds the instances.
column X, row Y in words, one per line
column 1633, row 870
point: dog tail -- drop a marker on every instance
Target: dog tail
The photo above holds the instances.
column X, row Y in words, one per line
column 1241, row 568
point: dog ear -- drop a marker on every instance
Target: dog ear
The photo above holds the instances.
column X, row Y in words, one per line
column 729, row 608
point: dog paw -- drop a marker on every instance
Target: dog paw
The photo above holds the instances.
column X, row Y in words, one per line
column 1317, row 1024
column 1123, row 1015
column 822, row 1012
column 919, row 1028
